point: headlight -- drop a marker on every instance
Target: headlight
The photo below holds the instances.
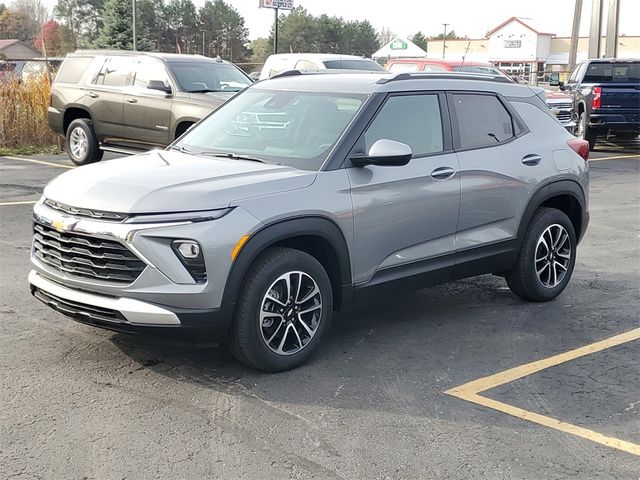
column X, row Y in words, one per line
column 193, row 217
column 189, row 252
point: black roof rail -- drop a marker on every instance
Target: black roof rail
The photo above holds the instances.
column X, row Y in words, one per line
column 445, row 76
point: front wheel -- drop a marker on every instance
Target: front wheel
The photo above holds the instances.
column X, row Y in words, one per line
column 82, row 143
column 283, row 311
column 547, row 257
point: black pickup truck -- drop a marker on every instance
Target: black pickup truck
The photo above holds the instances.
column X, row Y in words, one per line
column 606, row 98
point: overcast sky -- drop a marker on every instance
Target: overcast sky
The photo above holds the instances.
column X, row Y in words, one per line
column 467, row 17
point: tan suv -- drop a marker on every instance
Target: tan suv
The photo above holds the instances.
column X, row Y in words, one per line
column 127, row 102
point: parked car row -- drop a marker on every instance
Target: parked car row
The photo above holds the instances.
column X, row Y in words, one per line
column 605, row 98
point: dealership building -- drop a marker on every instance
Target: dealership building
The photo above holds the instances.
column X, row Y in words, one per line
column 519, row 48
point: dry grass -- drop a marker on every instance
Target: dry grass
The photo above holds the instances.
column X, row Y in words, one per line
column 23, row 115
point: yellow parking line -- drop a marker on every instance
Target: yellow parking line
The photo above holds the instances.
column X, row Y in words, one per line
column 470, row 392
column 637, row 155
column 20, row 202
column 33, row 160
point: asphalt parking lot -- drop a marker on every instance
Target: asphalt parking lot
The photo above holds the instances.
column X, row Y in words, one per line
column 461, row 381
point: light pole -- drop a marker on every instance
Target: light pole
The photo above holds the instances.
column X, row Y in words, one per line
column 135, row 36
column 275, row 32
column 203, row 32
column 444, row 39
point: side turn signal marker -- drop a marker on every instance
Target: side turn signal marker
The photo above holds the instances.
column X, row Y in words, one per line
column 236, row 250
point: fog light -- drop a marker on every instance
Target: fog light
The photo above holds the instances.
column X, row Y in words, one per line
column 189, row 253
column 187, row 248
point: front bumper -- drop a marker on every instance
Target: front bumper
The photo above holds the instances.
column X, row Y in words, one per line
column 129, row 315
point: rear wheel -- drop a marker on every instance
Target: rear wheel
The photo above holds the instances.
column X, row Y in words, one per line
column 586, row 133
column 547, row 257
column 82, row 143
column 283, row 311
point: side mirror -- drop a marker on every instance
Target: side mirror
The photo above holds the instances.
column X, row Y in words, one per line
column 385, row 152
column 554, row 79
column 159, row 85
column 562, row 86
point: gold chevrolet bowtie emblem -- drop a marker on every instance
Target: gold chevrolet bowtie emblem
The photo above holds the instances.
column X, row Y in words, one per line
column 62, row 224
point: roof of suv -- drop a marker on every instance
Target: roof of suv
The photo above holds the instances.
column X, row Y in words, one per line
column 371, row 82
column 168, row 57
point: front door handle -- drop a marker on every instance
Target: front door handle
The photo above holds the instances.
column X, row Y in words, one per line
column 531, row 159
column 131, row 100
column 443, row 173
column 92, row 94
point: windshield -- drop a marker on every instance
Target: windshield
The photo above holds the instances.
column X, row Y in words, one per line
column 281, row 127
column 356, row 64
column 612, row 72
column 209, row 77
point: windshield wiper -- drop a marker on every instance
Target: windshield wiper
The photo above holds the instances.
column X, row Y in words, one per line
column 233, row 156
column 181, row 149
column 206, row 90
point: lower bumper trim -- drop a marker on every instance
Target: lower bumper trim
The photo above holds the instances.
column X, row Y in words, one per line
column 74, row 302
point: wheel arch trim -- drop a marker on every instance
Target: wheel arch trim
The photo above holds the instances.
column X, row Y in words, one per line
column 272, row 233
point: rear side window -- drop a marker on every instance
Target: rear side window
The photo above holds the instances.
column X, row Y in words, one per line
column 482, row 120
column 72, row 69
column 612, row 72
column 363, row 64
column 115, row 72
column 411, row 119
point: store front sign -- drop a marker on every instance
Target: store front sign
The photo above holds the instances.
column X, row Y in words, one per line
column 512, row 43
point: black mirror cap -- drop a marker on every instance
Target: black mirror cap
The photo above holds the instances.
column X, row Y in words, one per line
column 562, row 86
column 390, row 161
column 159, row 85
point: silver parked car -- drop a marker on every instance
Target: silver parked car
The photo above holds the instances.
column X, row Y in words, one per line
column 307, row 193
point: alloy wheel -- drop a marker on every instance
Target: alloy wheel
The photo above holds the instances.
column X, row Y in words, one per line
column 78, row 143
column 553, row 256
column 290, row 313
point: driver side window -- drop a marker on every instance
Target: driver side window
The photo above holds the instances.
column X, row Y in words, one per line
column 147, row 70
column 411, row 119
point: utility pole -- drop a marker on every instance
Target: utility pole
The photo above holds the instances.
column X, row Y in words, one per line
column 575, row 34
column 275, row 32
column 613, row 18
column 135, row 35
column 203, row 32
column 444, row 39
column 595, row 30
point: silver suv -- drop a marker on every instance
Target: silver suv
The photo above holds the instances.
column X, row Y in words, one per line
column 307, row 193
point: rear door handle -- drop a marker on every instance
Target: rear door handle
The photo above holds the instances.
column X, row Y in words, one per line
column 92, row 94
column 531, row 159
column 131, row 100
column 443, row 173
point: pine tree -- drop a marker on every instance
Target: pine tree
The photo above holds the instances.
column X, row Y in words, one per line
column 117, row 30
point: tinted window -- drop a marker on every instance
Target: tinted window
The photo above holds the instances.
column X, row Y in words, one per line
column 150, row 70
column 72, row 69
column 115, row 72
column 482, row 120
column 411, row 119
column 477, row 69
column 209, row 77
column 612, row 72
column 355, row 64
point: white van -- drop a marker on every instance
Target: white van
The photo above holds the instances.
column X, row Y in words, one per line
column 315, row 61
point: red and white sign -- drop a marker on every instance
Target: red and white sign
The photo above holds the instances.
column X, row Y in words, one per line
column 282, row 4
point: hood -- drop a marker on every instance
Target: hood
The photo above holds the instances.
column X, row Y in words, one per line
column 170, row 181
column 211, row 98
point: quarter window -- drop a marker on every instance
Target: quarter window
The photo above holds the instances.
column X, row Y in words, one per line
column 482, row 120
column 411, row 119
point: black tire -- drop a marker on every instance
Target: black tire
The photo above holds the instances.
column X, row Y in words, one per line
column 81, row 129
column 586, row 133
column 247, row 340
column 523, row 279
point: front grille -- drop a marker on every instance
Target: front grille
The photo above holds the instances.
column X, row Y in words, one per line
column 77, row 310
column 84, row 212
column 563, row 116
column 85, row 256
